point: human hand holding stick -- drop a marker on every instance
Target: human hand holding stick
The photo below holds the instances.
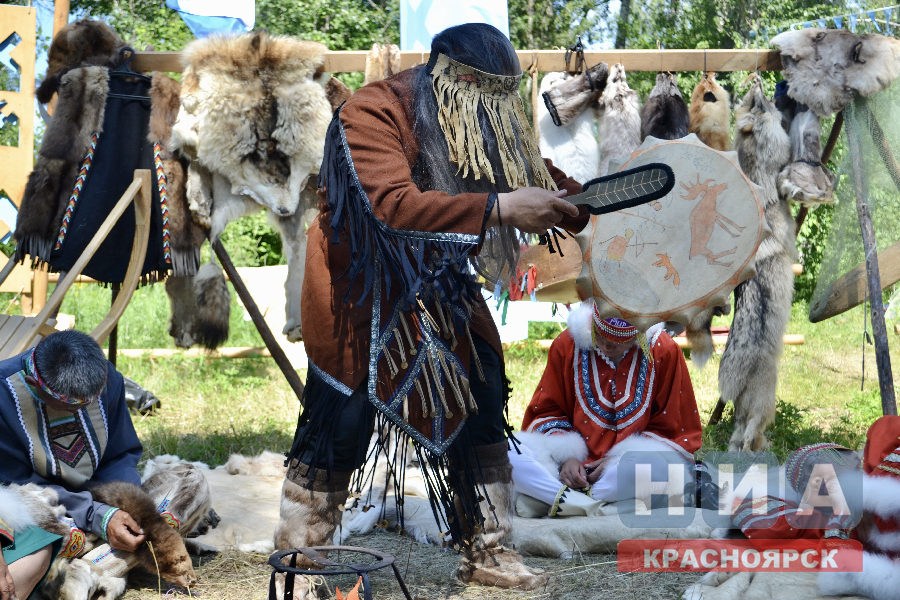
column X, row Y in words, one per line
column 531, row 210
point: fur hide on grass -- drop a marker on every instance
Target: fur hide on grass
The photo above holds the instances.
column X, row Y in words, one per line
column 806, row 179
column 665, row 115
column 267, row 464
column 79, row 114
column 710, row 112
column 83, row 43
column 168, row 550
column 619, row 119
column 748, row 373
column 826, row 68
column 185, row 236
column 573, row 147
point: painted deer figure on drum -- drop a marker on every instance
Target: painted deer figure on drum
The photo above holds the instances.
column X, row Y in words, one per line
column 704, row 219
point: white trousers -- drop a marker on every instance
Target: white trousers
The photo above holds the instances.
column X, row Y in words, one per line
column 532, row 478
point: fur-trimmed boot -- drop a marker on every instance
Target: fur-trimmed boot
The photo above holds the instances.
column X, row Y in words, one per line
column 311, row 511
column 488, row 562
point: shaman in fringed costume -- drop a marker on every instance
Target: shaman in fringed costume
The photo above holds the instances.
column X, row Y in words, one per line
column 593, row 409
column 394, row 323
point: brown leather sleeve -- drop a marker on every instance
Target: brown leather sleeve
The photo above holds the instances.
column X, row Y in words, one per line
column 375, row 125
column 563, row 182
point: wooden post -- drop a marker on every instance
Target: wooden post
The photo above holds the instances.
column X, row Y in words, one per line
column 60, row 15
column 826, row 154
column 271, row 343
column 114, row 334
column 879, row 329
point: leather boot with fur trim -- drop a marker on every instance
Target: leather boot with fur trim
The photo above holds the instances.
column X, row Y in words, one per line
column 311, row 510
column 489, row 563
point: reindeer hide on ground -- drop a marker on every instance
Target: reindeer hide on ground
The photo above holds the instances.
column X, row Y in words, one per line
column 619, row 119
column 710, row 113
column 185, row 236
column 665, row 115
column 826, row 68
column 571, row 147
column 78, row 115
column 83, row 43
column 748, row 373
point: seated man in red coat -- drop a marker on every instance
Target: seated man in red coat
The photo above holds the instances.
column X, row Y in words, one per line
column 602, row 394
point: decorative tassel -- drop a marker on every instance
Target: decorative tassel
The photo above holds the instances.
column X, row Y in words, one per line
column 428, row 316
column 412, row 341
column 440, row 312
column 453, row 383
column 475, row 355
column 390, row 360
column 438, row 386
column 430, row 392
column 467, row 391
column 405, row 408
column 403, row 363
column 425, row 412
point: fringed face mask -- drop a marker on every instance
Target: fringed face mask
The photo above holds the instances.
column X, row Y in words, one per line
column 460, row 90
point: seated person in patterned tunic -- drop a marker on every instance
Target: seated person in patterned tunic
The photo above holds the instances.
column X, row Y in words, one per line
column 64, row 424
column 606, row 390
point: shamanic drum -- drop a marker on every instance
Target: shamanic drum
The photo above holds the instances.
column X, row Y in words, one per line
column 672, row 258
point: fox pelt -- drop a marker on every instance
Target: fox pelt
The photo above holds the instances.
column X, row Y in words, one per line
column 572, row 147
column 382, row 62
column 665, row 115
column 82, row 43
column 748, row 373
column 168, row 550
column 826, row 68
column 806, row 180
column 710, row 112
column 619, row 119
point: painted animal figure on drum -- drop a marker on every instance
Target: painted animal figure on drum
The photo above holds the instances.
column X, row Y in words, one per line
column 704, row 219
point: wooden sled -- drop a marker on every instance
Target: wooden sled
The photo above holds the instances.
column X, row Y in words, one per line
column 18, row 333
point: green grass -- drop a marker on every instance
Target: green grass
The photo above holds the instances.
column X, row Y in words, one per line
column 213, row 407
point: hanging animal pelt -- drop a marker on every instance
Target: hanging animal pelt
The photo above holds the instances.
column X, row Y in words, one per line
column 665, row 115
column 252, row 127
column 571, row 147
column 826, row 68
column 710, row 112
column 382, row 62
column 806, row 180
column 748, row 374
column 619, row 119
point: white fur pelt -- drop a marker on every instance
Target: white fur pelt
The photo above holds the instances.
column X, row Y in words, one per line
column 252, row 125
column 618, row 118
column 826, row 68
column 710, row 113
column 13, row 511
column 806, row 180
column 267, row 464
column 879, row 580
column 573, row 147
column 551, row 451
column 748, row 373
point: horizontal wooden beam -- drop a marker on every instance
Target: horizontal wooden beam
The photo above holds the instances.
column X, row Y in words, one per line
column 547, row 60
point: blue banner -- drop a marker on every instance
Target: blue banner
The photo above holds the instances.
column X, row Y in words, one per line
column 208, row 17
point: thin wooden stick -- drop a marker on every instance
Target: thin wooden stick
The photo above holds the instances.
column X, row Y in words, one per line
column 271, row 343
column 879, row 329
column 826, row 154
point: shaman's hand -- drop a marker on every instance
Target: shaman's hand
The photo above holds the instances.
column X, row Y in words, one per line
column 7, row 585
column 532, row 210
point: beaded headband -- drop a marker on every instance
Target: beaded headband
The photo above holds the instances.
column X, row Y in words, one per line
column 31, row 369
column 459, row 90
column 800, row 463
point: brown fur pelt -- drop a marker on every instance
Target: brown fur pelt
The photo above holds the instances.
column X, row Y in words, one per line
column 665, row 115
column 699, row 335
column 710, row 112
column 336, row 92
column 251, row 111
column 168, row 550
column 79, row 114
column 82, row 43
column 213, row 306
column 619, row 119
column 382, row 61
column 185, row 236
column 806, row 179
column 748, row 373
column 826, row 68
column 185, row 488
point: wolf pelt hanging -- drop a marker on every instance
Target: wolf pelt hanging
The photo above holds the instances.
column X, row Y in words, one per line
column 251, row 129
column 748, row 373
column 618, row 118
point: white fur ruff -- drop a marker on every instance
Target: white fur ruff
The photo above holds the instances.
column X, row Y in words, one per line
column 879, row 579
column 13, row 511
